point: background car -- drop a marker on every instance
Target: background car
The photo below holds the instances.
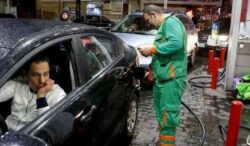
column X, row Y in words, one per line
column 134, row 31
column 223, row 33
column 93, row 66
column 98, row 21
column 7, row 15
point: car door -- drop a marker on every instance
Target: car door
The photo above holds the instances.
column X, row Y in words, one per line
column 104, row 93
column 93, row 110
column 56, row 124
column 68, row 120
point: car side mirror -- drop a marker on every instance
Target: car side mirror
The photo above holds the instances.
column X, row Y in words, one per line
column 18, row 139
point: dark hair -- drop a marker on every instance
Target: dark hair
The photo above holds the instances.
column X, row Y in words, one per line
column 38, row 59
column 62, row 19
column 152, row 8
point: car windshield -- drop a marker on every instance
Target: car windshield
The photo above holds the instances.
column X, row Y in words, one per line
column 134, row 24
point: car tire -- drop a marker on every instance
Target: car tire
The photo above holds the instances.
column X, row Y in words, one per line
column 131, row 120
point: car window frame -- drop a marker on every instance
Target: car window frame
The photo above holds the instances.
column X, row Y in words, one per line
column 89, row 80
column 35, row 124
column 83, row 52
column 23, row 59
column 44, row 119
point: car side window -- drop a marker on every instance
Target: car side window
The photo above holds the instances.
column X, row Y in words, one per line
column 61, row 65
column 99, row 53
column 60, row 70
column 93, row 63
column 94, row 44
column 108, row 44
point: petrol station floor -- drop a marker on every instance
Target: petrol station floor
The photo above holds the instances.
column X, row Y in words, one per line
column 211, row 107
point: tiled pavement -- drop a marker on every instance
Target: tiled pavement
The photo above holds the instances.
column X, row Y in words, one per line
column 211, row 106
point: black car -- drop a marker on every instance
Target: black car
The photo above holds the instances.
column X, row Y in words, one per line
column 101, row 103
column 98, row 21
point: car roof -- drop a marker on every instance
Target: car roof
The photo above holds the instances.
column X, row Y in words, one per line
column 13, row 30
column 19, row 36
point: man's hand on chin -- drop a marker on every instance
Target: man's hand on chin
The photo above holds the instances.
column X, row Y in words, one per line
column 43, row 91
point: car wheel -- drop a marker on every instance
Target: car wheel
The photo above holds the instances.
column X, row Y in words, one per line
column 3, row 126
column 131, row 119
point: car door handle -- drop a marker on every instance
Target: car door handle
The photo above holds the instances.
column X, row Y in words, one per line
column 87, row 117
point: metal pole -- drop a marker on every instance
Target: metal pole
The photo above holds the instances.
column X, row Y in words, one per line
column 78, row 10
column 41, row 7
column 8, row 4
column 210, row 61
column 165, row 4
column 214, row 73
column 233, row 43
column 234, row 123
column 222, row 57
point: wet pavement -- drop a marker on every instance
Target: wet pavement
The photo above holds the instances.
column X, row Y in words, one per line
column 211, row 106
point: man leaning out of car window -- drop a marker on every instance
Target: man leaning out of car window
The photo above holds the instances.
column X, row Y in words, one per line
column 31, row 94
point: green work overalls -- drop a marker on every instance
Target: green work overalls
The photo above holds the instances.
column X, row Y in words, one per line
column 169, row 67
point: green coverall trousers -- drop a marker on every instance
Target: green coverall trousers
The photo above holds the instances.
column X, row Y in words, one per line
column 167, row 101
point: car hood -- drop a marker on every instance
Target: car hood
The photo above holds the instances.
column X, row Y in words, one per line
column 137, row 40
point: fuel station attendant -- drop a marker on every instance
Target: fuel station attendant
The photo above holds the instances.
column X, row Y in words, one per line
column 169, row 66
